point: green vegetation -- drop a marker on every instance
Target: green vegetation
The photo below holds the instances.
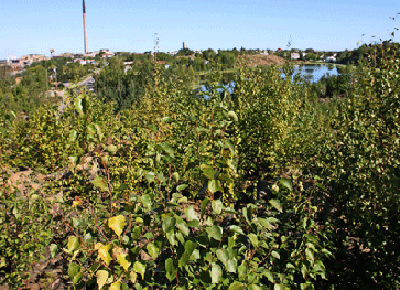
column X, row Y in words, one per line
column 163, row 189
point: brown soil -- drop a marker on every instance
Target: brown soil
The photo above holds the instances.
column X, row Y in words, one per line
column 255, row 60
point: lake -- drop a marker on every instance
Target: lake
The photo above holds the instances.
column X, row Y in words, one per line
column 310, row 72
column 314, row 72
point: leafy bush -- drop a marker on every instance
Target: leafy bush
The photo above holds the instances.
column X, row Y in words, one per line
column 270, row 189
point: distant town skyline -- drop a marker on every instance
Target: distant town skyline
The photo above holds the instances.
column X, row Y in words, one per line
column 38, row 26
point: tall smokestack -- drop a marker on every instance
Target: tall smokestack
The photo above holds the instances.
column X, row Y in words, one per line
column 84, row 26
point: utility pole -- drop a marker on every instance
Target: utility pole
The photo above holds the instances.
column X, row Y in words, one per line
column 45, row 69
column 156, row 45
column 55, row 76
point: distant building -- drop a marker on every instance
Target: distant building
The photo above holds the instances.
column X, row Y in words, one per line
column 105, row 53
column 330, row 59
column 295, row 55
column 92, row 54
column 66, row 54
column 83, row 62
column 31, row 58
column 128, row 66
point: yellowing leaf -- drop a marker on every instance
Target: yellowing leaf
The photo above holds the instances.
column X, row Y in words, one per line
column 123, row 261
column 115, row 286
column 133, row 277
column 104, row 253
column 77, row 201
column 102, row 277
column 73, row 244
column 101, row 183
column 117, row 223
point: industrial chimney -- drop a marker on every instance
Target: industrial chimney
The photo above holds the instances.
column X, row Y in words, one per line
column 84, row 26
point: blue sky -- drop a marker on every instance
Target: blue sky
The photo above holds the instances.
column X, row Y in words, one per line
column 36, row 26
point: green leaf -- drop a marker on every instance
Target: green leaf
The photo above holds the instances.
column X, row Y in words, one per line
column 78, row 278
column 79, row 104
column 72, row 136
column 102, row 277
column 189, row 248
column 286, row 183
column 153, row 250
column 267, row 273
column 236, row 229
column 167, row 148
column 53, row 250
column 309, row 254
column 101, row 183
column 190, row 213
column 73, row 244
column 233, row 115
column 217, row 206
column 112, row 149
column 275, row 254
column 117, row 223
column 171, row 269
column 168, row 224
column 254, row 287
column 268, row 222
column 175, row 176
column 306, row 286
column 242, row 270
column 214, row 186
column 139, row 268
column 149, row 176
column 229, row 261
column 165, row 119
column 204, row 204
column 181, row 187
column 237, row 286
column 208, row 171
column 73, row 270
column 216, row 273
column 146, row 200
column 254, row 240
column 276, row 204
column 214, row 232
column 182, row 226
column 320, row 268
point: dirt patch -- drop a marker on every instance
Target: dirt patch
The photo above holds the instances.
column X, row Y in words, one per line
column 24, row 181
column 255, row 60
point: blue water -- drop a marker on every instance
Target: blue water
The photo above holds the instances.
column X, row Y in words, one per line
column 314, row 73
column 311, row 73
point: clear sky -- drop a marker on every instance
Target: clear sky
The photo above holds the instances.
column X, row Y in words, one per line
column 36, row 26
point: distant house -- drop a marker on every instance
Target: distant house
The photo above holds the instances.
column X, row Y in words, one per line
column 295, row 56
column 83, row 62
column 105, row 53
column 330, row 59
column 92, row 54
column 128, row 66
